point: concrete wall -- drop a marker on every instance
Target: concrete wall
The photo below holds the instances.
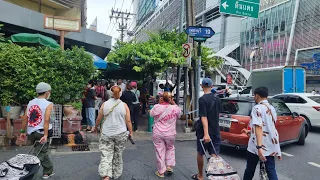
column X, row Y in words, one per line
column 65, row 12
column 70, row 13
column 33, row 6
column 34, row 21
column 232, row 34
column 211, row 3
column 214, row 41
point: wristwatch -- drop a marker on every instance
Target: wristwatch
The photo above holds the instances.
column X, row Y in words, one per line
column 258, row 147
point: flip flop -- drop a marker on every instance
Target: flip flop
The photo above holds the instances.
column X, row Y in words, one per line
column 159, row 175
column 169, row 170
column 195, row 176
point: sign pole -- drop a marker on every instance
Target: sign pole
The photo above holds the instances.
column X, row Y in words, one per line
column 197, row 85
column 62, row 33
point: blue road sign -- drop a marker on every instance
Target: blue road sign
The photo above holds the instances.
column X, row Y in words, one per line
column 200, row 32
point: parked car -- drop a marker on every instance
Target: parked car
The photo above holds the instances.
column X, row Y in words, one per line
column 305, row 104
column 235, row 117
column 246, row 92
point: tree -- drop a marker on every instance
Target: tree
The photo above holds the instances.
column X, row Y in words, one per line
column 161, row 51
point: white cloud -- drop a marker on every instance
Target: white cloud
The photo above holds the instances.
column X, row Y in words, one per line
column 102, row 10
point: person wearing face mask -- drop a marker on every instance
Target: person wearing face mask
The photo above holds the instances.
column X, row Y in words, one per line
column 263, row 144
column 36, row 123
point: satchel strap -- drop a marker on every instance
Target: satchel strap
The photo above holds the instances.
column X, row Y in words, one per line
column 105, row 116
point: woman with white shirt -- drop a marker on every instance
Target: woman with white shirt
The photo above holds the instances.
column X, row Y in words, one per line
column 114, row 120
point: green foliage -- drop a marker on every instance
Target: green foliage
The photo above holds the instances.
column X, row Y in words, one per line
column 77, row 105
column 1, row 34
column 162, row 50
column 22, row 68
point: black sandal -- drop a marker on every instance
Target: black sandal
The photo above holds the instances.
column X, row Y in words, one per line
column 195, row 176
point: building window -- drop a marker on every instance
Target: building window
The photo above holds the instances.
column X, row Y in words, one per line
column 199, row 21
column 212, row 16
column 166, row 5
column 283, row 26
column 276, row 29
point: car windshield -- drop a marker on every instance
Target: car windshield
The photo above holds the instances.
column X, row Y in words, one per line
column 315, row 98
column 236, row 107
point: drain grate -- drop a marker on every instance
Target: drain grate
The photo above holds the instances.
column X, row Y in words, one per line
column 83, row 147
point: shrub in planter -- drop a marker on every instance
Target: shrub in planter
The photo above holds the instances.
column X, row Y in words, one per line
column 72, row 110
column 22, row 68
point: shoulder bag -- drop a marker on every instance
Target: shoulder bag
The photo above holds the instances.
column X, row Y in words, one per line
column 105, row 116
column 198, row 124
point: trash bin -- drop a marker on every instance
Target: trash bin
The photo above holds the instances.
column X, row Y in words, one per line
column 150, row 120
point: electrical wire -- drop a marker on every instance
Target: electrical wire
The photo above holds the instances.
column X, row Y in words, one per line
column 114, row 6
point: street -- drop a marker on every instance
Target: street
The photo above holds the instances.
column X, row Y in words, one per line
column 299, row 162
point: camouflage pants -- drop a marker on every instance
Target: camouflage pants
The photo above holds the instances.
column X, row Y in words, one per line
column 111, row 148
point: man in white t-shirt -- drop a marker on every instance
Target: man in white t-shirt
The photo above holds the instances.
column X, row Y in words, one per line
column 36, row 123
column 264, row 143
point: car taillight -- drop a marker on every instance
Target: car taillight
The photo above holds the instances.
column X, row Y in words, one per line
column 316, row 108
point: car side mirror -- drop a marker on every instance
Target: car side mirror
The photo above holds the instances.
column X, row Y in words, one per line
column 295, row 115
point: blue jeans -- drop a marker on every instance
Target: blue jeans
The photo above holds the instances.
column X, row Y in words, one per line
column 252, row 161
column 90, row 116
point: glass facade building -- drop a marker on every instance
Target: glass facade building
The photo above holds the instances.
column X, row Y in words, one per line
column 145, row 8
column 272, row 30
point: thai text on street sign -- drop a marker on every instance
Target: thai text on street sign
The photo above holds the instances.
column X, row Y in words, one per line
column 187, row 48
column 62, row 23
column 247, row 8
column 200, row 32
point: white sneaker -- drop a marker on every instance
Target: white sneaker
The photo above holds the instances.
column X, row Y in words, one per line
column 46, row 176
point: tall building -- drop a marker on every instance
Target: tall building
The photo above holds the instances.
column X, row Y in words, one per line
column 27, row 16
column 284, row 39
column 227, row 37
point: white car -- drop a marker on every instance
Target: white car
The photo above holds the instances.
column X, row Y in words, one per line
column 247, row 92
column 306, row 104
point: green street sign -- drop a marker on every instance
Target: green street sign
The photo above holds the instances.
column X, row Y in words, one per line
column 247, row 8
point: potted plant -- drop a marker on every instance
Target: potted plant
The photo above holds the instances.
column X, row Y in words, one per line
column 73, row 109
column 7, row 99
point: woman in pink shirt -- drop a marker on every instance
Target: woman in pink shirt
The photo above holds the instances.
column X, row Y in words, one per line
column 164, row 132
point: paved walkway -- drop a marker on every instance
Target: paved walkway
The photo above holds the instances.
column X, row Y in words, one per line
column 143, row 134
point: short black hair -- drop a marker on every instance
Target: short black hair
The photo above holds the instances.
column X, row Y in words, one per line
column 262, row 92
column 40, row 94
column 91, row 82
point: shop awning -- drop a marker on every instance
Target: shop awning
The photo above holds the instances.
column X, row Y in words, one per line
column 28, row 38
column 98, row 62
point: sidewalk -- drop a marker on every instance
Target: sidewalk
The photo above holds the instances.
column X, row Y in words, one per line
column 143, row 134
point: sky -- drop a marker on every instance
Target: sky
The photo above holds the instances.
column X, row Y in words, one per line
column 102, row 10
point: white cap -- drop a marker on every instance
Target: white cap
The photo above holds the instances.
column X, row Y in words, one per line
column 43, row 87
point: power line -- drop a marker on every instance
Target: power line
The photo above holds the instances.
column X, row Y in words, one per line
column 124, row 16
column 114, row 6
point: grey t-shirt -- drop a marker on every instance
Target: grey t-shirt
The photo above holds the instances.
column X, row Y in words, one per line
column 90, row 98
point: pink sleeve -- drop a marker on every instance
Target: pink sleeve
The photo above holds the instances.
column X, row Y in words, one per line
column 178, row 111
column 154, row 110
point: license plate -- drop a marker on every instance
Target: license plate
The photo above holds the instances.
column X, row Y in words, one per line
column 225, row 123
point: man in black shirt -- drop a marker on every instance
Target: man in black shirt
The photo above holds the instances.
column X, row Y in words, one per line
column 208, row 128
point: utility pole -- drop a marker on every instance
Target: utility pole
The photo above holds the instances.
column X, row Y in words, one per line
column 191, row 21
column 178, row 67
column 124, row 16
